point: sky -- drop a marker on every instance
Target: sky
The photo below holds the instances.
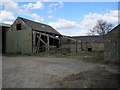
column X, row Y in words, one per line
column 68, row 18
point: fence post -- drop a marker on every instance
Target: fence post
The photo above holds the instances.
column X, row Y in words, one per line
column 76, row 47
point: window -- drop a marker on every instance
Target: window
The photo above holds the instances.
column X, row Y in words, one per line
column 19, row 26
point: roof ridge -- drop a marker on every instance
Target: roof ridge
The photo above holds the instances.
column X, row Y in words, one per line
column 32, row 21
column 40, row 26
column 88, row 36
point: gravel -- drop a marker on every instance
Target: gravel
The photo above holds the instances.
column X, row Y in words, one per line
column 42, row 72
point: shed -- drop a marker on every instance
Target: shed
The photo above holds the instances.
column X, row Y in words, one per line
column 27, row 36
column 91, row 43
column 112, row 45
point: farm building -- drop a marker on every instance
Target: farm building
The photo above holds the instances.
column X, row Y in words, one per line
column 91, row 43
column 69, row 45
column 3, row 29
column 112, row 45
column 26, row 37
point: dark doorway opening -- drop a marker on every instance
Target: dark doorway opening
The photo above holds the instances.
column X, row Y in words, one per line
column 89, row 49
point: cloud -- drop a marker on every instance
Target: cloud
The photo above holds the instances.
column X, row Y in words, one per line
column 6, row 15
column 11, row 8
column 48, row 0
column 37, row 5
column 73, row 28
column 61, row 5
column 82, row 32
column 10, row 5
column 54, row 6
column 111, row 16
column 36, row 17
column 63, row 24
column 50, row 16
column 8, row 22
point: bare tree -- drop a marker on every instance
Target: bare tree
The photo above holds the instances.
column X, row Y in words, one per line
column 91, row 32
column 102, row 27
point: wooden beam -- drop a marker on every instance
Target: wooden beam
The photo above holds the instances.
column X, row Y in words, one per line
column 38, row 44
column 41, row 40
column 49, row 35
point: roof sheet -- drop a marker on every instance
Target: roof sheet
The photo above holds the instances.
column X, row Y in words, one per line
column 5, row 25
column 115, row 28
column 40, row 27
column 89, row 38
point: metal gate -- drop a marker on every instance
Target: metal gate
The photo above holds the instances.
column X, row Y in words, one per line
column 19, row 41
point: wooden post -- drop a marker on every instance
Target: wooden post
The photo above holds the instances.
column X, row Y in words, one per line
column 61, row 44
column 81, row 46
column 34, row 43
column 70, row 46
column 48, row 43
column 86, row 47
column 76, row 47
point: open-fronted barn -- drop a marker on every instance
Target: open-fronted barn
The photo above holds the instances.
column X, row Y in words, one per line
column 91, row 43
column 112, row 45
column 26, row 36
column 3, row 29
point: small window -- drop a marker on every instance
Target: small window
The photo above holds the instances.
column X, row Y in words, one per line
column 19, row 26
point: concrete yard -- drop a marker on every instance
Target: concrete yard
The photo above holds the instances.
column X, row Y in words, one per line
column 51, row 72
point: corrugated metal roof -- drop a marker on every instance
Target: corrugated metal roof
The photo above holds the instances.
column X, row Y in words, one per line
column 40, row 27
column 5, row 25
column 89, row 38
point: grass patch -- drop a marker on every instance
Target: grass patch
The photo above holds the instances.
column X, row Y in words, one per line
column 83, row 53
column 97, row 57
column 94, row 57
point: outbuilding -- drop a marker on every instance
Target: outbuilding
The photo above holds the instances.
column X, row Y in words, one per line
column 27, row 36
column 3, row 29
column 91, row 43
column 112, row 45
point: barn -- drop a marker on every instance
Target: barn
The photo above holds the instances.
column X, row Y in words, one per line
column 112, row 45
column 91, row 43
column 27, row 36
column 3, row 29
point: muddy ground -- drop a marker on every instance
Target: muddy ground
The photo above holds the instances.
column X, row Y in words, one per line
column 51, row 72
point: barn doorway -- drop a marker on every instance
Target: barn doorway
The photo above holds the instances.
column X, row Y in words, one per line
column 89, row 49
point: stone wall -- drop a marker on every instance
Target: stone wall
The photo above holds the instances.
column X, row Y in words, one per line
column 111, row 45
column 93, row 45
